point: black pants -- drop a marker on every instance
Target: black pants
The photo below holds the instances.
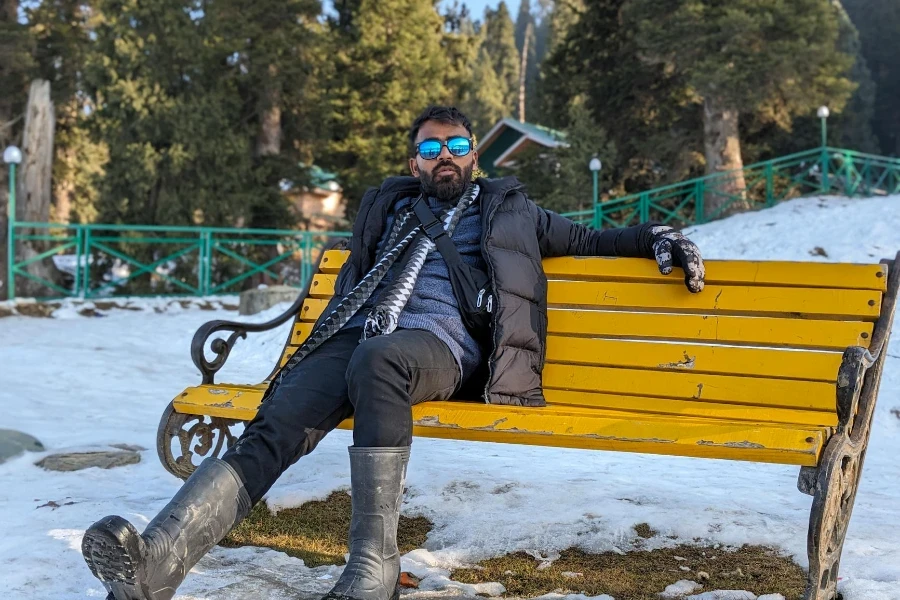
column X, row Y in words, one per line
column 377, row 382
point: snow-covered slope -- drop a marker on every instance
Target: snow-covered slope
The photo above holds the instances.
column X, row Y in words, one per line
column 77, row 382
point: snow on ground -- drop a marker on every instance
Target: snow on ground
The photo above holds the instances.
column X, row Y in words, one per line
column 77, row 382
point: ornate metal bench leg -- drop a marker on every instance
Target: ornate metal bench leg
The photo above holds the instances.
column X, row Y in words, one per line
column 198, row 435
column 835, row 492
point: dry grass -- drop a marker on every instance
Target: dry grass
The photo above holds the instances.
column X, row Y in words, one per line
column 316, row 532
column 642, row 574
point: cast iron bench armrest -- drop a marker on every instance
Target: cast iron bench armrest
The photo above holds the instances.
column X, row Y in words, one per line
column 222, row 347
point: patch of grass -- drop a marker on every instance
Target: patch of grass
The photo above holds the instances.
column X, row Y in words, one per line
column 642, row 574
column 316, row 532
column 643, row 530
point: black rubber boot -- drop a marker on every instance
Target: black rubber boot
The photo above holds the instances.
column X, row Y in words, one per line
column 151, row 566
column 377, row 476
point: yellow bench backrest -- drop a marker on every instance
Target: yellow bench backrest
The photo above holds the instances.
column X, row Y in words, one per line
column 763, row 342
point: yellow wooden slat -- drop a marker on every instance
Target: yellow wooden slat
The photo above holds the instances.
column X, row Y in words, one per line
column 562, row 428
column 785, row 393
column 775, row 273
column 312, row 308
column 322, row 286
column 819, row 303
column 333, row 260
column 288, row 352
column 229, row 401
column 809, row 302
column 725, row 329
column 699, row 358
column 301, row 332
column 568, row 427
column 726, row 272
column 626, row 406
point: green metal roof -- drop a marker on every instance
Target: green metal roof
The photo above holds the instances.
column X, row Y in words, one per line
column 539, row 131
column 507, row 134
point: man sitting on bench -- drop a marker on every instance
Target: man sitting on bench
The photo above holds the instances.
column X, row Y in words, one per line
column 417, row 315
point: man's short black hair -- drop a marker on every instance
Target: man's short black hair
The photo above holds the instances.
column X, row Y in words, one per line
column 444, row 114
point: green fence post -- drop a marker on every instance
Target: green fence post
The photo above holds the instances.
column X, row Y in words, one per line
column 76, row 287
column 823, row 161
column 699, row 204
column 597, row 219
column 86, row 277
column 207, row 262
column 201, row 262
column 850, row 175
column 770, row 184
column 867, row 177
column 644, row 207
column 307, row 266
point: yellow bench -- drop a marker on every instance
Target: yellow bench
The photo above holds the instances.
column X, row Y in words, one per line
column 774, row 362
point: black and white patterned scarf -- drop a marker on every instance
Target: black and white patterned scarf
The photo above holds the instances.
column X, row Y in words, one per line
column 384, row 316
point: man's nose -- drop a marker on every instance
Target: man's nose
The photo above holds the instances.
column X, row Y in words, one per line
column 445, row 153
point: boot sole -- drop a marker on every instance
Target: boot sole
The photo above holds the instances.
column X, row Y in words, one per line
column 111, row 548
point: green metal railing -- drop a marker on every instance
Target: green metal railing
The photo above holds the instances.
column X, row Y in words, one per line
column 107, row 260
column 140, row 260
column 819, row 171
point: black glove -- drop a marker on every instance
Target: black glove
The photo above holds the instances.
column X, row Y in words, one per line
column 671, row 248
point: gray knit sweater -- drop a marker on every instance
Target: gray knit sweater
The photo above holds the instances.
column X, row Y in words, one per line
column 433, row 306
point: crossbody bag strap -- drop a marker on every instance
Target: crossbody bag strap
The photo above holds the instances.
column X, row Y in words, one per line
column 434, row 229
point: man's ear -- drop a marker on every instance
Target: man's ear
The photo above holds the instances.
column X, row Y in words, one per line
column 413, row 167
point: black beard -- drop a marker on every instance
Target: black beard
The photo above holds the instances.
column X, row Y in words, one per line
column 449, row 187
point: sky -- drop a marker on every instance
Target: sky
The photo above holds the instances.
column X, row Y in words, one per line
column 476, row 7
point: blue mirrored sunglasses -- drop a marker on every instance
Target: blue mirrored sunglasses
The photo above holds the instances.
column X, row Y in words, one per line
column 431, row 148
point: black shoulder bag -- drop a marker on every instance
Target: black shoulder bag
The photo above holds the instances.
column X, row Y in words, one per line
column 471, row 286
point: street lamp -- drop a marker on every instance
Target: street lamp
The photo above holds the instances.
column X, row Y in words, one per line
column 823, row 113
column 11, row 156
column 595, row 166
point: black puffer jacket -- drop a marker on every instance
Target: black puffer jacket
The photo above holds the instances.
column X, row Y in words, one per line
column 516, row 235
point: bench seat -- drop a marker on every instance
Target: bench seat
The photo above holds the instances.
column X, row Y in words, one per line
column 572, row 426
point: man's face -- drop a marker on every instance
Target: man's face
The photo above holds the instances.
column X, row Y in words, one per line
column 446, row 176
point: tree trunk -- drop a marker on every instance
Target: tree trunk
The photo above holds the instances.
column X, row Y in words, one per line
column 269, row 141
column 523, row 68
column 268, row 144
column 725, row 194
column 36, row 185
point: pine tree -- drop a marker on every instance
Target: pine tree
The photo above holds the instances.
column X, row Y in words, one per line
column 500, row 45
column 562, row 77
column 167, row 105
column 385, row 73
column 762, row 138
column 487, row 104
column 745, row 56
column 646, row 110
column 853, row 126
column 274, row 49
column 472, row 84
column 878, row 22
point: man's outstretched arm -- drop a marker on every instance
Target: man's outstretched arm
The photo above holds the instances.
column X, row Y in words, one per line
column 559, row 236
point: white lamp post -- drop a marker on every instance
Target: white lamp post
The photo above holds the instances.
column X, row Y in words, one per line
column 11, row 156
column 595, row 165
